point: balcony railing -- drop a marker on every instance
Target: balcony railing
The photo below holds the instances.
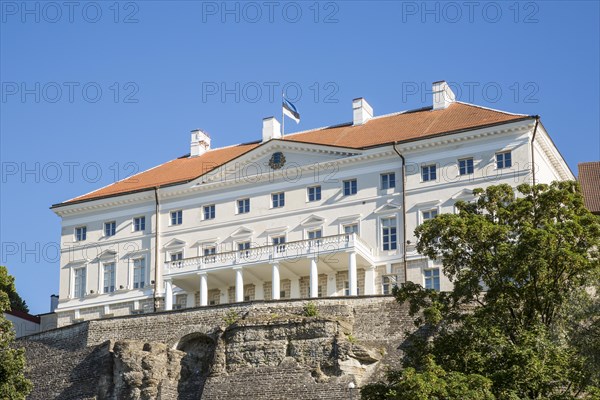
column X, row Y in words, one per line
column 289, row 251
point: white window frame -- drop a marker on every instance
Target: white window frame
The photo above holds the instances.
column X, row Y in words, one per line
column 381, row 235
column 142, row 275
column 141, row 218
column 315, row 188
column 466, row 159
column 428, row 166
column 421, row 216
column 245, row 252
column 75, row 239
column 349, row 181
column 171, row 217
column 503, row 153
column 207, row 255
column 279, row 247
column 237, row 206
column 105, row 226
column 316, row 241
column 439, row 276
column 281, row 196
column 113, row 277
column 388, row 174
column 82, row 290
column 212, row 208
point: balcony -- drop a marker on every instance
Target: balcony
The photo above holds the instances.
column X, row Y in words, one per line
column 327, row 248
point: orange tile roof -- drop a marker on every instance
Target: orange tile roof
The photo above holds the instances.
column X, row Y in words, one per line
column 399, row 127
column 589, row 179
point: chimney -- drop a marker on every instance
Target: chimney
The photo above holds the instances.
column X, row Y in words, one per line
column 443, row 96
column 361, row 111
column 271, row 129
column 53, row 302
column 200, row 143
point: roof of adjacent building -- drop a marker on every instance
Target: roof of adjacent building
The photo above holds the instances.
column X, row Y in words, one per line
column 24, row 315
column 399, row 127
column 589, row 179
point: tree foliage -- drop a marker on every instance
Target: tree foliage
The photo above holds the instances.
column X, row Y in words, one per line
column 13, row 384
column 7, row 285
column 522, row 313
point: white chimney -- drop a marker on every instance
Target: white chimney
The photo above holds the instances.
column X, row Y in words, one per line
column 271, row 129
column 200, row 143
column 443, row 96
column 361, row 111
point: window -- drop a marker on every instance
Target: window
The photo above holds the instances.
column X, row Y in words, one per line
column 428, row 173
column 350, row 187
column 429, row 214
column 282, row 294
column 244, row 249
column 386, row 285
column 209, row 254
column 278, row 199
column 388, row 181
column 109, row 278
column 209, row 211
column 243, row 206
column 465, row 166
column 432, row 278
column 80, row 233
column 279, row 243
column 110, row 228
column 176, row 217
column 503, row 160
column 139, row 273
column 319, row 291
column 349, row 230
column 314, row 193
column 315, row 235
column 389, row 234
column 79, row 287
column 347, row 289
column 139, row 224
column 177, row 256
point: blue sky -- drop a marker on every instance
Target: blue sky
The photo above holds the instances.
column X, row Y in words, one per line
column 97, row 90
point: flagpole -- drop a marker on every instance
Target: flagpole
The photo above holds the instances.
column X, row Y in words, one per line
column 282, row 116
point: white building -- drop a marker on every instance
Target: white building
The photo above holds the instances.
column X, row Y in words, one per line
column 326, row 212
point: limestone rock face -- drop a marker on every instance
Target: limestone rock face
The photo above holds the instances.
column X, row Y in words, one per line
column 267, row 352
column 141, row 371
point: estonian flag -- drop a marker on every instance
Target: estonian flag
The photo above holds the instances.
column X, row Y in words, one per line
column 290, row 110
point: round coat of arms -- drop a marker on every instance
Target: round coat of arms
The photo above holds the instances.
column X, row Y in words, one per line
column 277, row 160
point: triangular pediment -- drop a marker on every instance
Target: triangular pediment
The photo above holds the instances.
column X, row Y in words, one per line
column 242, row 231
column 276, row 156
column 388, row 207
column 463, row 194
column 106, row 254
column 174, row 244
column 313, row 220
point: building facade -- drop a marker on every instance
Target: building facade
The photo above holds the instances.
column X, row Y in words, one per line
column 325, row 212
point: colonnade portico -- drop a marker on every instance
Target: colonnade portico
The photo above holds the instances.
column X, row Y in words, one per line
column 240, row 276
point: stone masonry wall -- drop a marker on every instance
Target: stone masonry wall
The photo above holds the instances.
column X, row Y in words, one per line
column 254, row 350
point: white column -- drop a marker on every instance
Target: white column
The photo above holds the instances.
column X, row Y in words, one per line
column 295, row 288
column 275, row 282
column 314, row 279
column 352, row 273
column 239, row 284
column 370, row 280
column 168, row 295
column 331, row 285
column 190, row 300
column 203, row 289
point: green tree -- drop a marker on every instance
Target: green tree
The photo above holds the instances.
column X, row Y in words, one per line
column 522, row 311
column 13, row 384
column 7, row 285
